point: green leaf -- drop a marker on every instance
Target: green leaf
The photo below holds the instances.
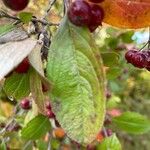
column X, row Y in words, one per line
column 110, row 59
column 5, row 28
column 127, row 37
column 36, row 90
column 76, row 72
column 113, row 72
column 113, row 102
column 25, row 17
column 17, row 86
column 41, row 145
column 132, row 122
column 110, row 143
column 36, row 128
column 3, row 146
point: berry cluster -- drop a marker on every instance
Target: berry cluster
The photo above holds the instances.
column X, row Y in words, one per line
column 16, row 5
column 49, row 112
column 82, row 13
column 140, row 59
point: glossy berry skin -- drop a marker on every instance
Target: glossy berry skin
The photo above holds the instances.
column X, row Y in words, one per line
column 97, row 16
column 50, row 114
column 129, row 55
column 79, row 13
column 139, row 60
column 96, row 1
column 25, row 104
column 23, row 66
column 16, row 5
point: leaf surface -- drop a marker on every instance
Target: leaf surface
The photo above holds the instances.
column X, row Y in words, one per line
column 76, row 72
column 132, row 122
column 127, row 13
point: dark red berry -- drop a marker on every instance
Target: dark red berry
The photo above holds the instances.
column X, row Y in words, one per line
column 16, row 5
column 48, row 105
column 107, row 132
column 129, row 55
column 23, row 66
column 97, row 15
column 25, row 104
column 108, row 94
column 50, row 114
column 45, row 88
column 92, row 28
column 147, row 54
column 79, row 13
column 96, row 1
column 139, row 60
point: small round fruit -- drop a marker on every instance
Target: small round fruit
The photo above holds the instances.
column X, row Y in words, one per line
column 23, row 66
column 50, row 114
column 48, row 105
column 79, row 13
column 96, row 1
column 129, row 55
column 139, row 60
column 25, row 104
column 16, row 5
column 97, row 15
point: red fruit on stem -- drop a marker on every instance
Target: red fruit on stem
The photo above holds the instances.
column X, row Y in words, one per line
column 97, row 15
column 50, row 114
column 129, row 55
column 25, row 104
column 96, row 1
column 16, row 5
column 79, row 13
column 48, row 105
column 23, row 66
column 45, row 88
column 139, row 60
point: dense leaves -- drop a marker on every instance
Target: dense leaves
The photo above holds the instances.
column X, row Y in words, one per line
column 75, row 70
column 132, row 122
column 110, row 143
column 36, row 128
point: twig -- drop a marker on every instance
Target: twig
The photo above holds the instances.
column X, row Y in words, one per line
column 43, row 22
column 51, row 3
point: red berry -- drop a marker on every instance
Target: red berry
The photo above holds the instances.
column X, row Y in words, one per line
column 96, row 1
column 25, row 104
column 44, row 87
column 129, row 55
column 147, row 54
column 97, row 15
column 139, row 60
column 50, row 114
column 79, row 13
column 92, row 28
column 16, row 5
column 48, row 105
column 23, row 66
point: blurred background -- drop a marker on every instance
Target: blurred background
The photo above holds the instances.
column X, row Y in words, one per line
column 128, row 87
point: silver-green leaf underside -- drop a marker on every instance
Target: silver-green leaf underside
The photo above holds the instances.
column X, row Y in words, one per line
column 77, row 95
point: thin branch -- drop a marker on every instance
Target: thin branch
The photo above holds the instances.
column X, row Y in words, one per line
column 51, row 3
column 43, row 22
